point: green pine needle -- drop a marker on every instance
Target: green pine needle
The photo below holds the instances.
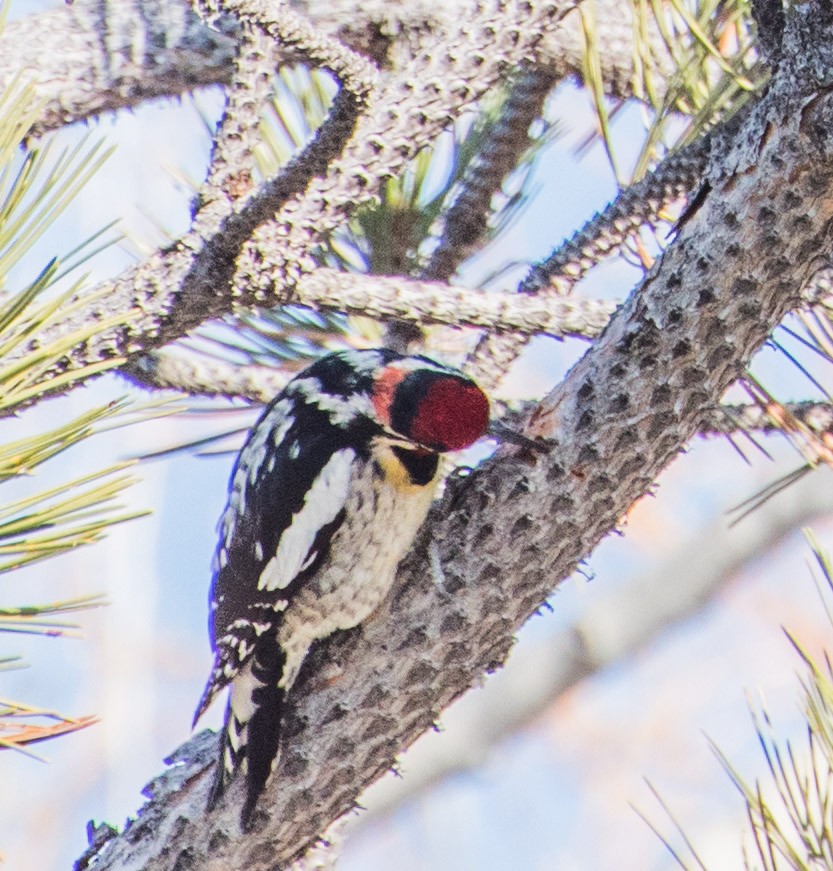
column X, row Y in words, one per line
column 36, row 186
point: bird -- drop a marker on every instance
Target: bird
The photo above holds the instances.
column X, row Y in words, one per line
column 325, row 499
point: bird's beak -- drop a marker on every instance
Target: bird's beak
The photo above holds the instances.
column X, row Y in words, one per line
column 503, row 433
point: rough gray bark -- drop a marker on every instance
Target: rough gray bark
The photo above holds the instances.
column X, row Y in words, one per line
column 88, row 58
column 620, row 622
column 602, row 236
column 238, row 254
column 505, row 535
column 257, row 251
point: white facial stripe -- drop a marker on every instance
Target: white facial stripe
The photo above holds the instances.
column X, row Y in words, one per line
column 364, row 362
column 341, row 410
column 412, row 364
column 322, row 503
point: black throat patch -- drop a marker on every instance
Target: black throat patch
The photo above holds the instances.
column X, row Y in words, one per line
column 421, row 466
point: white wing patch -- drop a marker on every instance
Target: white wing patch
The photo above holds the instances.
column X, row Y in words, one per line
column 324, row 499
column 364, row 362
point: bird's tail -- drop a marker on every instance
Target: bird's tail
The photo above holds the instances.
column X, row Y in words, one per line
column 251, row 735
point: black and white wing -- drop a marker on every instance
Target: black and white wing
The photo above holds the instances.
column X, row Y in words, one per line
column 287, row 501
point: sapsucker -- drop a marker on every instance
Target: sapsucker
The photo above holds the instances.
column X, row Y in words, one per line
column 325, row 499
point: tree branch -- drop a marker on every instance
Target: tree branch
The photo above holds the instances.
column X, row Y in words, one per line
column 636, row 205
column 601, row 237
column 408, row 112
column 466, row 220
column 88, row 58
column 258, row 252
column 200, row 375
column 427, row 302
column 732, row 419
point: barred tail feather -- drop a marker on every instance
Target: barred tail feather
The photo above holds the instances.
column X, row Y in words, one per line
column 250, row 739
column 213, row 686
column 233, row 740
column 225, row 768
column 264, row 727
